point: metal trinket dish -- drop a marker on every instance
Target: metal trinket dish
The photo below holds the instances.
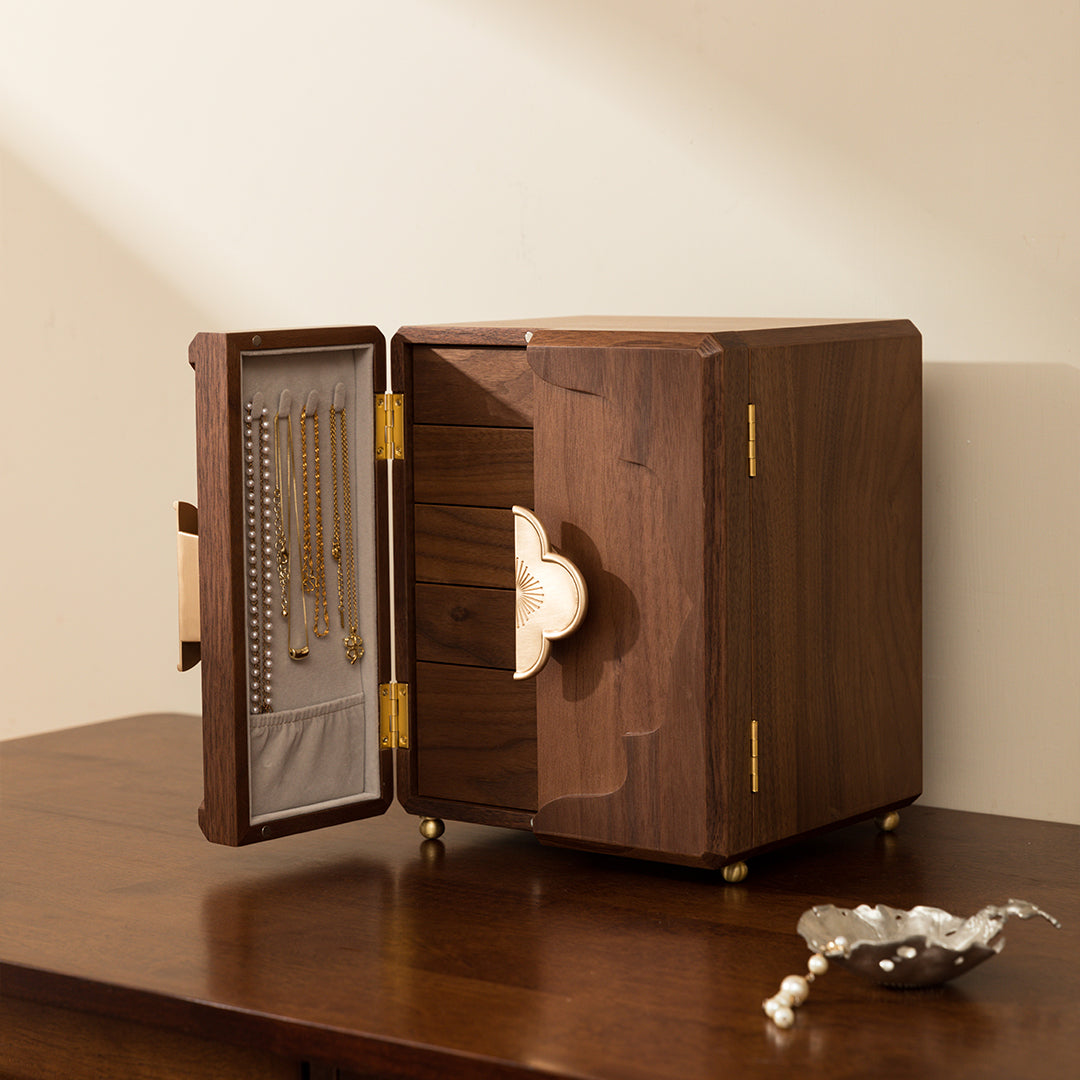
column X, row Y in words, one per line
column 921, row 947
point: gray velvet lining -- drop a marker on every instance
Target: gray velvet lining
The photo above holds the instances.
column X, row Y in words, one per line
column 319, row 744
column 305, row 759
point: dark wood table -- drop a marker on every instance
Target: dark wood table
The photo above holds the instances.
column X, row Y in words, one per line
column 131, row 947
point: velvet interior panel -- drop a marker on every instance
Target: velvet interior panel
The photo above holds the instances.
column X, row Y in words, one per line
column 314, row 724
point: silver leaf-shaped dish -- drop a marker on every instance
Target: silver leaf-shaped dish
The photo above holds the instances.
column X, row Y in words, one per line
column 921, row 947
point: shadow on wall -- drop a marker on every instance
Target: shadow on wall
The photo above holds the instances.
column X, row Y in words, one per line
column 98, row 441
column 1001, row 544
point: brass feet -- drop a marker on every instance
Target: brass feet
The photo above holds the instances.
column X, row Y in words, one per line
column 734, row 872
column 887, row 822
column 431, row 828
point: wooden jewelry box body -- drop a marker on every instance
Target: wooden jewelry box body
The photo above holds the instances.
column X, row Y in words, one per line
column 742, row 499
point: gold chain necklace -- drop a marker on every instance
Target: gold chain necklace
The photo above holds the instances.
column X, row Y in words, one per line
column 335, row 547
column 320, row 555
column 281, row 538
column 284, row 528
column 354, row 645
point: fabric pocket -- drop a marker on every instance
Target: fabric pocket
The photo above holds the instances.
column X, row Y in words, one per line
column 304, row 757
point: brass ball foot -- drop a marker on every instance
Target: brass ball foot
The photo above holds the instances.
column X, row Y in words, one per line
column 734, row 872
column 431, row 828
column 887, row 822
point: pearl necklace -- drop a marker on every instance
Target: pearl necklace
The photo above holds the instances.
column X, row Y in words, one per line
column 780, row 1008
column 260, row 563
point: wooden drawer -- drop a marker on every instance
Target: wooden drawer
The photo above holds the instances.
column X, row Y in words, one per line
column 477, row 739
column 472, row 466
column 480, row 386
column 462, row 625
column 464, row 545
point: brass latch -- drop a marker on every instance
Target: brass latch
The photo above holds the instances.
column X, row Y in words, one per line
column 394, row 716
column 389, row 427
column 753, row 439
column 187, row 581
column 753, row 757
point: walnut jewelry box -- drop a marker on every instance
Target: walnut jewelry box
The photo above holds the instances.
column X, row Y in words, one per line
column 648, row 587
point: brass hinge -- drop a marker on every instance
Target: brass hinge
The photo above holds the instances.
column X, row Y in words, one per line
column 394, row 716
column 389, row 427
column 753, row 440
column 753, row 757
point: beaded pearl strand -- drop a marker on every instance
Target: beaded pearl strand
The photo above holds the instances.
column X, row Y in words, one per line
column 794, row 990
column 260, row 563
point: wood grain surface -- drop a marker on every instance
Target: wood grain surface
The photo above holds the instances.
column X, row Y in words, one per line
column 225, row 810
column 621, row 707
column 472, row 466
column 478, row 739
column 488, row 955
column 836, row 580
column 42, row 1042
column 458, row 624
column 464, row 545
column 473, row 386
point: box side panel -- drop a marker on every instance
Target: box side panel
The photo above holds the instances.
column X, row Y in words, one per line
column 836, row 565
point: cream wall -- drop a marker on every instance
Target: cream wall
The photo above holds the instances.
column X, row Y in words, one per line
column 229, row 165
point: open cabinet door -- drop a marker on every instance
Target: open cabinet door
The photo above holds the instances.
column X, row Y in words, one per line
column 836, row 568
column 287, row 464
column 632, row 725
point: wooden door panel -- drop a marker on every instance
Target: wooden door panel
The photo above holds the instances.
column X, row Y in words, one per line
column 622, row 705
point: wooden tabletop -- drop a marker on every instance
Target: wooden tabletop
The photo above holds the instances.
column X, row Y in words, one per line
column 485, row 954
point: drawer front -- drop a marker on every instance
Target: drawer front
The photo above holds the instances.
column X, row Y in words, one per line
column 472, row 386
column 461, row 625
column 472, row 466
column 476, row 739
column 464, row 545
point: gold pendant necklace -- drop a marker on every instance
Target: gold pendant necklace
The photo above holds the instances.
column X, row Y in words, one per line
column 281, row 539
column 284, row 510
column 335, row 545
column 354, row 645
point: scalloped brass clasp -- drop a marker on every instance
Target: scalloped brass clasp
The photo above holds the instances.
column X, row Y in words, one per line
column 551, row 595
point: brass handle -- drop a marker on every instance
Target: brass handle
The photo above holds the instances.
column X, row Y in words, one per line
column 551, row 595
column 187, row 584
